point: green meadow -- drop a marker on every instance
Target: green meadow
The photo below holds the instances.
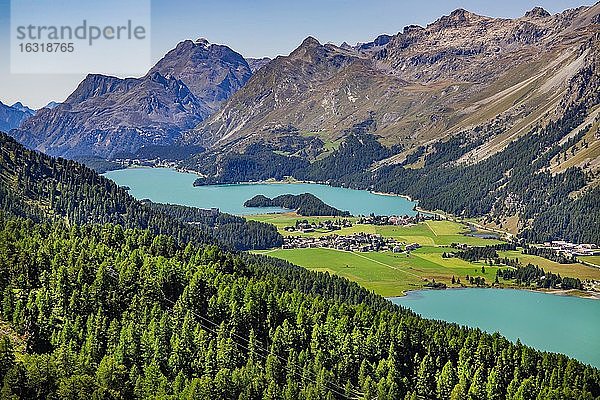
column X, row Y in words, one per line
column 392, row 274
column 592, row 259
column 576, row 270
column 386, row 273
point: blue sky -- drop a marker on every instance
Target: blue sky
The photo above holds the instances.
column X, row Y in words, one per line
column 260, row 28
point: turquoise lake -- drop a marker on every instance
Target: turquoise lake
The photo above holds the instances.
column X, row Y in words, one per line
column 165, row 185
column 560, row 324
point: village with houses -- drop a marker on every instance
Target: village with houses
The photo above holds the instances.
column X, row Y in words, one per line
column 397, row 220
column 304, row 226
column 569, row 249
column 359, row 242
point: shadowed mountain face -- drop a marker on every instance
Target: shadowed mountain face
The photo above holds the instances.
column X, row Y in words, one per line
column 461, row 73
column 13, row 116
column 106, row 116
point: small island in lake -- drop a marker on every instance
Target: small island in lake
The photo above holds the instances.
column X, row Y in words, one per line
column 305, row 204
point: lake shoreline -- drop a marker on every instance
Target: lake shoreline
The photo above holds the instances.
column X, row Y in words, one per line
column 173, row 185
column 517, row 315
column 582, row 294
column 292, row 180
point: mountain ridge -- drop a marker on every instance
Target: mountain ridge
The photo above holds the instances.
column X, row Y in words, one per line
column 106, row 116
column 423, row 84
column 13, row 116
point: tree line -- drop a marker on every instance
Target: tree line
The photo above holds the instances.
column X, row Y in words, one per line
column 533, row 275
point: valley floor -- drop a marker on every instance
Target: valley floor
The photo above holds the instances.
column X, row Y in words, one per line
column 393, row 274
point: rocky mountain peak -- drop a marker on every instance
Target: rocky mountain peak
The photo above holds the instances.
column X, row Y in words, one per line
column 13, row 116
column 212, row 72
column 96, row 85
column 310, row 42
column 309, row 50
column 20, row 107
column 51, row 105
column 183, row 88
column 412, row 28
column 457, row 18
column 202, row 41
column 379, row 41
column 537, row 12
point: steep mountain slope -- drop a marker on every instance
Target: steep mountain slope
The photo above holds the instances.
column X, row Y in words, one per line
column 293, row 94
column 13, row 116
column 508, row 75
column 106, row 116
column 40, row 187
column 463, row 72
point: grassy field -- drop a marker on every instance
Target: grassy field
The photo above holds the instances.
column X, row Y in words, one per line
column 592, row 259
column 429, row 233
column 575, row 270
column 392, row 274
column 386, row 273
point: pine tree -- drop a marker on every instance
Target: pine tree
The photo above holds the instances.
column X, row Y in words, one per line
column 477, row 390
column 446, row 381
column 7, row 357
column 494, row 385
column 425, row 386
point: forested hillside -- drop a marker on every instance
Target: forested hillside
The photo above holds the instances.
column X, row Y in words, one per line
column 516, row 181
column 306, row 204
column 38, row 186
column 101, row 308
column 106, row 312
column 227, row 228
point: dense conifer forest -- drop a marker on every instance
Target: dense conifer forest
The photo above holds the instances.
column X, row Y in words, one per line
column 533, row 275
column 227, row 228
column 108, row 306
column 62, row 188
column 257, row 163
column 109, row 312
